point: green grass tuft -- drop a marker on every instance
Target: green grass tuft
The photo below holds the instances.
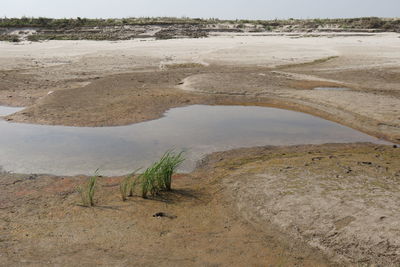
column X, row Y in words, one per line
column 148, row 180
column 128, row 185
column 88, row 189
column 124, row 187
column 168, row 165
column 158, row 177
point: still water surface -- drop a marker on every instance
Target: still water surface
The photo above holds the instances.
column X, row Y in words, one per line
column 200, row 129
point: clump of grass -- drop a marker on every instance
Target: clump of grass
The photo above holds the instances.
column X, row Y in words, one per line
column 124, row 187
column 158, row 177
column 148, row 180
column 169, row 163
column 88, row 189
column 128, row 185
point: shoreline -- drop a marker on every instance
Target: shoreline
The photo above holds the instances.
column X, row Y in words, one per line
column 181, row 99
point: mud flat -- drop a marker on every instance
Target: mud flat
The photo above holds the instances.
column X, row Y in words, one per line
column 322, row 205
column 239, row 207
column 87, row 83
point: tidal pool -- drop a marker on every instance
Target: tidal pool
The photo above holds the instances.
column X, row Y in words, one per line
column 199, row 129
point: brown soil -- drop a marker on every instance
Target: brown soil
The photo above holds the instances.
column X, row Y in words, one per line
column 221, row 214
column 43, row 223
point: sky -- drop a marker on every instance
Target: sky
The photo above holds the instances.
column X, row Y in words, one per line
column 227, row 9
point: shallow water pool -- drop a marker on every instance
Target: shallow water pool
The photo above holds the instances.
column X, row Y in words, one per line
column 200, row 129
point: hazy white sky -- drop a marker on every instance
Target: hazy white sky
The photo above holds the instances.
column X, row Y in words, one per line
column 232, row 9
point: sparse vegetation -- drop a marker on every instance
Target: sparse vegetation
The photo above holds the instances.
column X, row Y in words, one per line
column 9, row 38
column 85, row 22
column 169, row 163
column 128, row 185
column 158, row 177
column 124, row 29
column 57, row 36
column 148, row 181
column 88, row 189
column 155, row 179
column 125, row 187
column 50, row 23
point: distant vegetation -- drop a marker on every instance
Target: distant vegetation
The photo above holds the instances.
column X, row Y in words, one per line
column 354, row 23
column 9, row 38
column 81, row 22
column 38, row 29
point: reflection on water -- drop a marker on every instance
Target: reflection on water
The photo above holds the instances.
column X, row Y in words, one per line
column 26, row 148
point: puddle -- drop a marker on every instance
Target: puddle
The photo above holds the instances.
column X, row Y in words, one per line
column 27, row 148
column 332, row 88
column 5, row 111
